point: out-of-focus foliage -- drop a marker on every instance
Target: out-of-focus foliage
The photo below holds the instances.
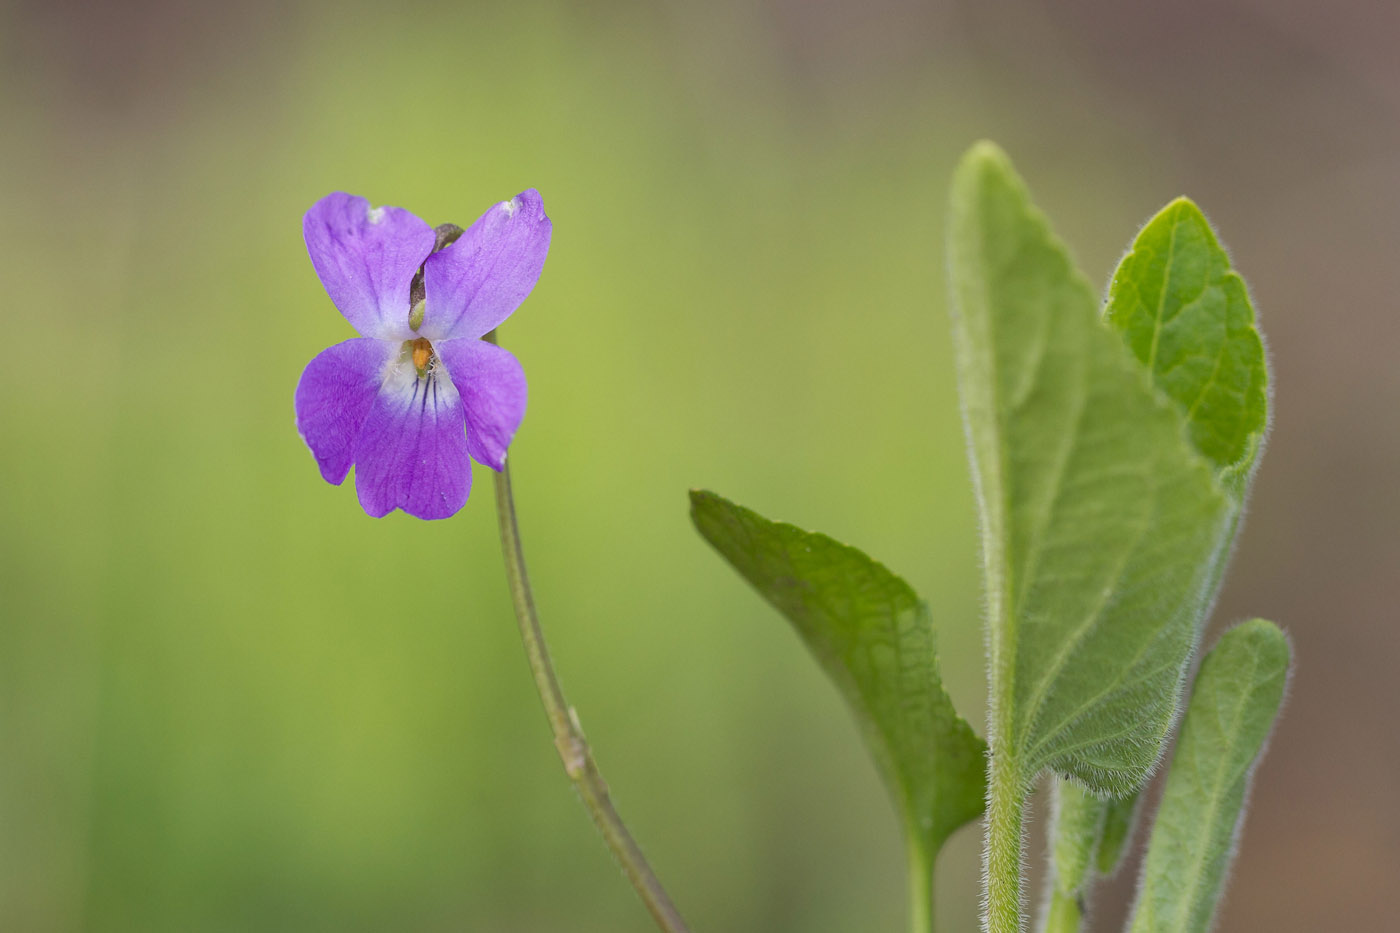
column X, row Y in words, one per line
column 1120, row 819
column 1079, row 823
column 1089, row 837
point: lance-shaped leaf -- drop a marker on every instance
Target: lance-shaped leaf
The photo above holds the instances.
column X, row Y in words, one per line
column 1078, row 825
column 1232, row 710
column 1104, row 528
column 874, row 637
column 1120, row 816
column 1088, row 836
column 1076, row 820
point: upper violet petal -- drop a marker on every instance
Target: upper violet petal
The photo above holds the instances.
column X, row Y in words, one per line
column 366, row 259
column 412, row 451
column 492, row 386
column 475, row 284
column 333, row 398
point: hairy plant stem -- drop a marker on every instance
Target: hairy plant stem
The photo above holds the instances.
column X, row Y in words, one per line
column 1006, row 804
column 921, row 892
column 568, row 735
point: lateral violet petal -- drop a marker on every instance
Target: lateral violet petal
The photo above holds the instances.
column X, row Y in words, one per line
column 366, row 259
column 412, row 451
column 475, row 284
column 334, row 397
column 492, row 386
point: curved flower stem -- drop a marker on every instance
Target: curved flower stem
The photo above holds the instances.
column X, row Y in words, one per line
column 568, row 735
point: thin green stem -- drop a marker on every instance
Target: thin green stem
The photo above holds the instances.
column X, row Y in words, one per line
column 568, row 735
column 1063, row 913
column 1006, row 804
column 921, row 891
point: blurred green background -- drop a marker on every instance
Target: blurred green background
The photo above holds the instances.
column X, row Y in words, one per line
column 231, row 701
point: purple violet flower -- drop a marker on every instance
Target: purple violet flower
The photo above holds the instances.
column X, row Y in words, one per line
column 419, row 395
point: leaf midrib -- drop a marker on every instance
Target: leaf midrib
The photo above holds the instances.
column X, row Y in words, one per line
column 1162, row 295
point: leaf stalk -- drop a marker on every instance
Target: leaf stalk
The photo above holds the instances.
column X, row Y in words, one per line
column 922, row 899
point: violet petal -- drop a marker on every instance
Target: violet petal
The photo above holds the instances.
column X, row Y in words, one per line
column 475, row 284
column 412, row 450
column 492, row 386
column 333, row 398
column 366, row 259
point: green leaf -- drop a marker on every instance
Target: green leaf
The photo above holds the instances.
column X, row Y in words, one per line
column 1187, row 318
column 1063, row 913
column 874, row 637
column 1088, row 835
column 1076, row 821
column 1078, row 824
column 1119, row 817
column 1236, row 698
column 1103, row 530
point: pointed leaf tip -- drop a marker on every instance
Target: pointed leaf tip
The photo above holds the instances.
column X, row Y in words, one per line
column 1186, row 316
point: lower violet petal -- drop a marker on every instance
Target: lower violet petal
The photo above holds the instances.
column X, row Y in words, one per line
column 412, row 451
column 492, row 386
column 333, row 398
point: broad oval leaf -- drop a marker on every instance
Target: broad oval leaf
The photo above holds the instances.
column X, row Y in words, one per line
column 874, row 637
column 1236, row 699
column 1103, row 529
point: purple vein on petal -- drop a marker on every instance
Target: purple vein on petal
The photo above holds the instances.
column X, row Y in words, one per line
column 478, row 281
column 411, row 454
column 333, row 398
column 492, row 387
column 366, row 258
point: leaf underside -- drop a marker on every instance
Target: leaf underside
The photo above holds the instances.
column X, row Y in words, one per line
column 874, row 638
column 1236, row 699
column 1104, row 526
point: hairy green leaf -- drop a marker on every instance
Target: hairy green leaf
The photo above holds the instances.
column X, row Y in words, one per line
column 1103, row 529
column 1078, row 825
column 1237, row 696
column 874, row 637
column 1187, row 318
column 1120, row 815
column 1088, row 836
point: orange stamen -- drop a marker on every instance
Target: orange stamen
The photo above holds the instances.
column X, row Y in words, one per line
column 422, row 353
